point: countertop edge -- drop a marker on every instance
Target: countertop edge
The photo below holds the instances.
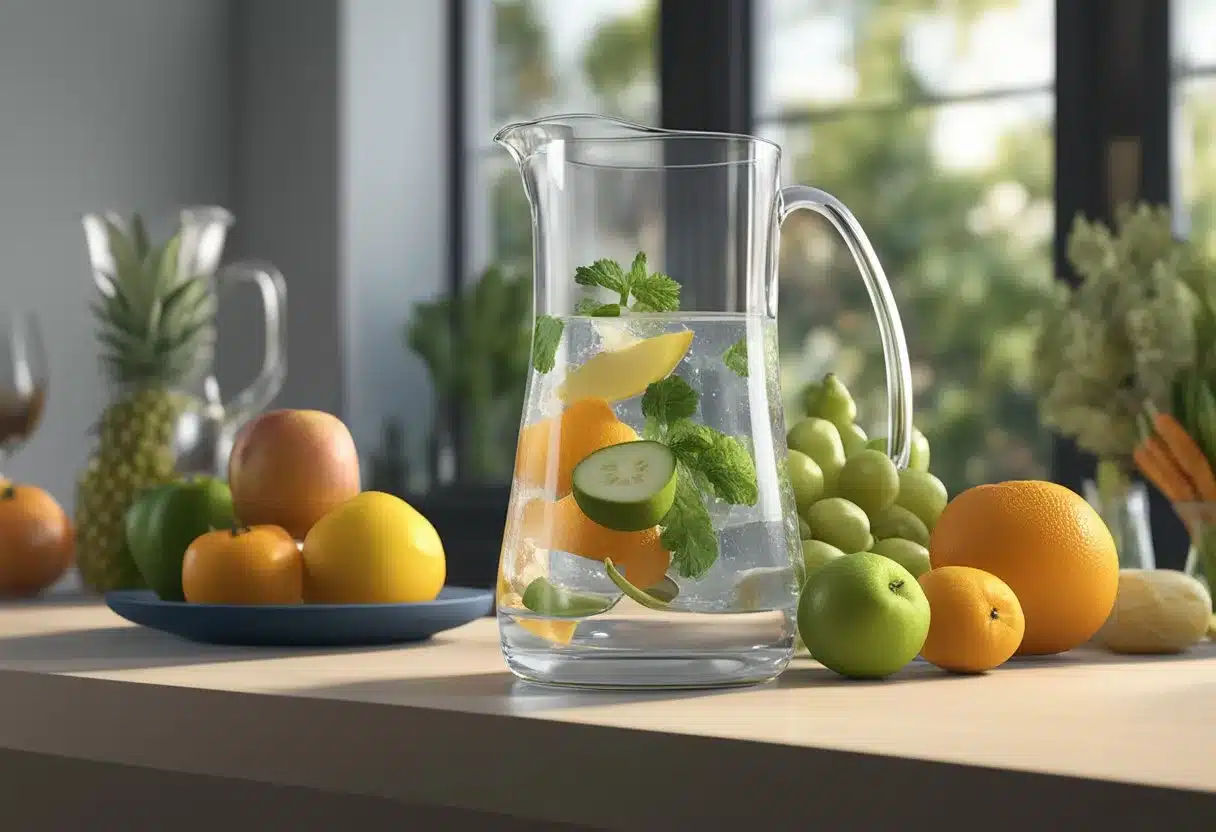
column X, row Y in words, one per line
column 546, row 770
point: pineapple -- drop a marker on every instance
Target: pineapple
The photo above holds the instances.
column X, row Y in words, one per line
column 156, row 328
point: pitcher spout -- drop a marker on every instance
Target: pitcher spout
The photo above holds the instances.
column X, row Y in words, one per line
column 526, row 138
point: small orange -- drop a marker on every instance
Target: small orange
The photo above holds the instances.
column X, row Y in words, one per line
column 582, row 429
column 1047, row 544
column 251, row 565
column 36, row 540
column 975, row 620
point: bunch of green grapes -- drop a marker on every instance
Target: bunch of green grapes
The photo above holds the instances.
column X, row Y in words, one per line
column 850, row 495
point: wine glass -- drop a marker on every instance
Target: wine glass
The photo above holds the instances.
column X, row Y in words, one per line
column 23, row 380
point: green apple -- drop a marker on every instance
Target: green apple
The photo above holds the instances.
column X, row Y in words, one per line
column 922, row 494
column 820, row 440
column 907, row 553
column 896, row 521
column 815, row 554
column 804, row 528
column 840, row 523
column 806, row 478
column 869, row 479
column 863, row 616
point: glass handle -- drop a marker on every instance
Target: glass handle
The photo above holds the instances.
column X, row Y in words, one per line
column 273, row 290
column 890, row 330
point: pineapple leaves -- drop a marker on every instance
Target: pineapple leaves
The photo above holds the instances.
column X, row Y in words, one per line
column 139, row 237
column 157, row 325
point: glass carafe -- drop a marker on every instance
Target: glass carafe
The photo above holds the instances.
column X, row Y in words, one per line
column 672, row 563
column 206, row 421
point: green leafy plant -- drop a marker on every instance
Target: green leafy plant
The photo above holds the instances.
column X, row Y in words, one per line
column 477, row 353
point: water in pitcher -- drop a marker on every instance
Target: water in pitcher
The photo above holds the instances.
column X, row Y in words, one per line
column 725, row 579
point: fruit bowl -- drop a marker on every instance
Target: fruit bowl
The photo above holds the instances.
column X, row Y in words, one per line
column 303, row 625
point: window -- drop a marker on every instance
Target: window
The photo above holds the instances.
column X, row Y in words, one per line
column 532, row 58
column 525, row 59
column 932, row 122
column 1194, row 94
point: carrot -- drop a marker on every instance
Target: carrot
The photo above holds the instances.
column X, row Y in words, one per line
column 1162, row 473
column 1191, row 460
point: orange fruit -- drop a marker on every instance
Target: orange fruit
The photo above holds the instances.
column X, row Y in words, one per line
column 257, row 565
column 549, row 449
column 639, row 555
column 36, row 540
column 1047, row 544
column 975, row 620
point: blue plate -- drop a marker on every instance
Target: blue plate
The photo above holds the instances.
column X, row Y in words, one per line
column 304, row 625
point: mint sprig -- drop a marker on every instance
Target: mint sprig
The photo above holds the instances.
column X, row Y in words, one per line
column 636, row 290
column 710, row 462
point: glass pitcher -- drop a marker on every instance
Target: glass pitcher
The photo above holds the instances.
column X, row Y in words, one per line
column 206, row 423
column 652, row 536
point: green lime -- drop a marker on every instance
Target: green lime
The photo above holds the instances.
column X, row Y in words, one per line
column 626, row 487
column 840, row 523
column 918, row 457
column 918, row 449
column 922, row 494
column 907, row 553
column 545, row 598
column 820, row 440
column 816, row 553
column 869, row 479
column 832, row 401
column 897, row 521
column 806, row 478
column 810, row 397
column 804, row 528
column 854, row 438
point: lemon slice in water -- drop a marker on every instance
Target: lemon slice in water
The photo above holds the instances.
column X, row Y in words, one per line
column 622, row 374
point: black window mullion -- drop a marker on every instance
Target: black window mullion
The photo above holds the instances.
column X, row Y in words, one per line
column 450, row 407
column 1112, row 131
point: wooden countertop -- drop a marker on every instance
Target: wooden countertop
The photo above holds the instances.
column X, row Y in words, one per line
column 444, row 723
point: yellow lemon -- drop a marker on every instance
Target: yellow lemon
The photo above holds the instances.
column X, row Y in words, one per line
column 614, row 375
column 373, row 549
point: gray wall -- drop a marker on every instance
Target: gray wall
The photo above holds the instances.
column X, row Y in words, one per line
column 287, row 166
column 115, row 104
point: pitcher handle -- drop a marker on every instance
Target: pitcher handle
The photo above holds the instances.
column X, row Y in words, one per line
column 273, row 290
column 890, row 329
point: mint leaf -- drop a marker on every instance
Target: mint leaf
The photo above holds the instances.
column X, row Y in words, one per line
column 669, row 401
column 606, row 310
column 637, row 269
column 730, row 470
column 545, row 339
column 655, row 293
column 687, row 531
column 606, row 274
column 688, row 440
column 735, row 357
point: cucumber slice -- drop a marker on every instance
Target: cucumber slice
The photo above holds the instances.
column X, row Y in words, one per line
column 657, row 601
column 626, row 487
column 544, row 598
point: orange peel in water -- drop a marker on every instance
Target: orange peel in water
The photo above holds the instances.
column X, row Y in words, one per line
column 550, row 449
